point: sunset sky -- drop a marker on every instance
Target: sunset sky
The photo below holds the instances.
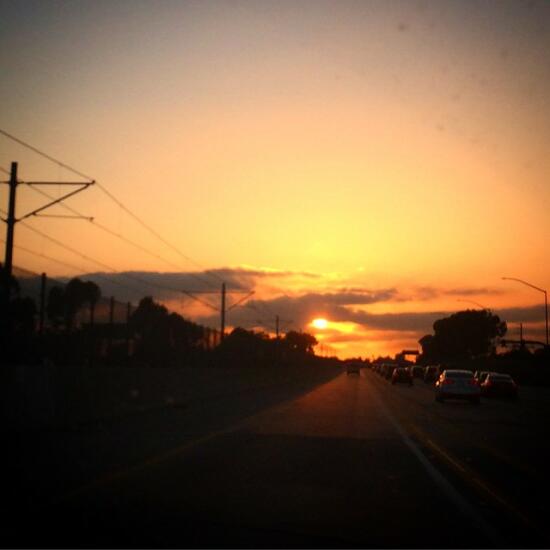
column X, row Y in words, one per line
column 367, row 162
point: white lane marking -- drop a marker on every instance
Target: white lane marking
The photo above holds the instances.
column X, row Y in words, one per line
column 450, row 492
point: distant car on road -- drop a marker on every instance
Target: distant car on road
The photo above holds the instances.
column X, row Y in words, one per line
column 499, row 385
column 431, row 373
column 457, row 384
column 353, row 368
column 402, row 376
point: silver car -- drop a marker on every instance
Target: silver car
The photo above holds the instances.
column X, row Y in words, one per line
column 457, row 384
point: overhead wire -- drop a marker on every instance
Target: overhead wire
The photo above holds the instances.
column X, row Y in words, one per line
column 128, row 241
column 120, row 236
column 45, row 155
column 113, row 270
column 79, row 269
column 111, row 196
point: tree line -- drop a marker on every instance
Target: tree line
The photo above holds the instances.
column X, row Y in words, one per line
column 152, row 334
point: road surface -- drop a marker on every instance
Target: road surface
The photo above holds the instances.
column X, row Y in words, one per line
column 354, row 462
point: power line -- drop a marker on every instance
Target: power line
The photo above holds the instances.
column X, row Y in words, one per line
column 110, row 195
column 107, row 230
column 111, row 269
column 112, row 232
column 79, row 269
column 153, row 232
column 122, row 237
column 45, row 155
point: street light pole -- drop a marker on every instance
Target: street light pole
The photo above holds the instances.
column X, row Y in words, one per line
column 540, row 290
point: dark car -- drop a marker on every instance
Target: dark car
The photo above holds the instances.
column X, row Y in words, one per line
column 402, row 376
column 499, row 385
column 417, row 371
column 388, row 373
column 353, row 368
column 457, row 384
column 480, row 376
column 431, row 374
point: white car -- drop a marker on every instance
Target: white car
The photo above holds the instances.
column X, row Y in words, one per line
column 457, row 384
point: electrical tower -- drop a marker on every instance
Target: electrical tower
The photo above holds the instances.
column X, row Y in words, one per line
column 11, row 220
column 223, row 308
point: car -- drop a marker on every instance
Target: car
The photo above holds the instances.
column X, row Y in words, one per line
column 499, row 385
column 389, row 371
column 457, row 384
column 480, row 376
column 402, row 375
column 431, row 374
column 417, row 371
column 353, row 368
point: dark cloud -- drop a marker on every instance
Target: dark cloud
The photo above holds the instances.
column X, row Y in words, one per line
column 466, row 291
column 339, row 308
column 346, row 304
column 529, row 314
column 425, row 293
column 230, row 272
column 133, row 285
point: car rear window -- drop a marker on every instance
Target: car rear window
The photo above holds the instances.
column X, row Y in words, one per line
column 458, row 374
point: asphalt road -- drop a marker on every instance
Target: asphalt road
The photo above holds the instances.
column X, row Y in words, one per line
column 355, row 462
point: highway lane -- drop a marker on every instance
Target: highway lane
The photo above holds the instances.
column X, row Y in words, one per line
column 353, row 463
column 41, row 464
column 498, row 450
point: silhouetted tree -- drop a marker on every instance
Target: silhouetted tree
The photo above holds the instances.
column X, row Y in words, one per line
column 430, row 354
column 463, row 335
column 55, row 308
column 163, row 336
column 65, row 303
column 301, row 342
column 246, row 348
column 17, row 319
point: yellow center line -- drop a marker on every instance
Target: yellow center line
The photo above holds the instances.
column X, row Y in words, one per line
column 472, row 477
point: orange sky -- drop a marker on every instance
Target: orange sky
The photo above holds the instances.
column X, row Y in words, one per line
column 372, row 146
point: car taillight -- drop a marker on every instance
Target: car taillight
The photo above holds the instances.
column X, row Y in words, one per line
column 472, row 382
column 448, row 381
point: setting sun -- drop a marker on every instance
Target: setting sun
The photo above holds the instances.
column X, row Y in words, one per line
column 320, row 323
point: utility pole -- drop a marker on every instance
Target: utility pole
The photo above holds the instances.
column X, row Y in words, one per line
column 42, row 303
column 8, row 264
column 521, row 334
column 278, row 322
column 11, row 220
column 545, row 299
column 223, row 313
column 223, row 309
